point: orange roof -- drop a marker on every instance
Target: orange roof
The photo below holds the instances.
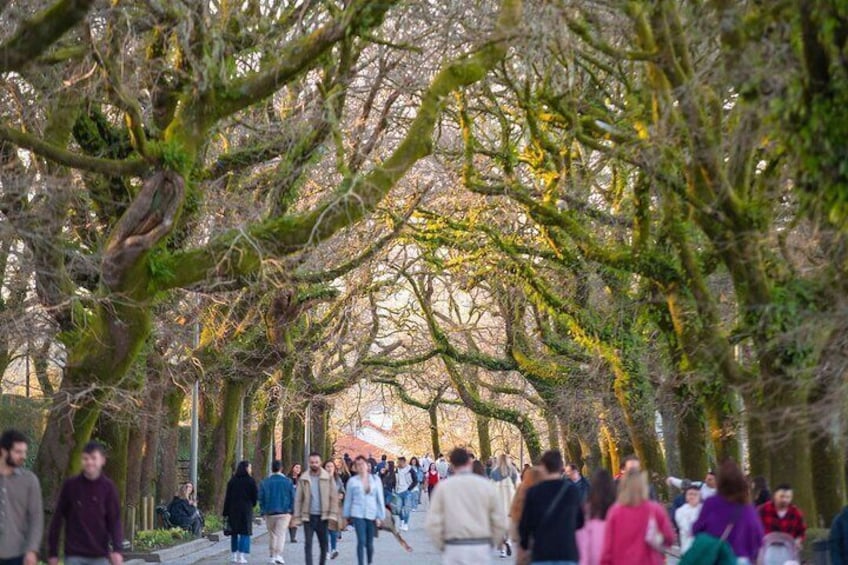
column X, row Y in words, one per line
column 354, row 446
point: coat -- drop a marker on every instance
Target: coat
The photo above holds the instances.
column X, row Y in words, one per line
column 241, row 497
column 839, row 539
column 329, row 498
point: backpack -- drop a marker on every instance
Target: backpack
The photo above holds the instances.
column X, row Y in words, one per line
column 708, row 550
column 778, row 548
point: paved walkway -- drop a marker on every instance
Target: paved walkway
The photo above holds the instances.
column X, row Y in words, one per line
column 386, row 548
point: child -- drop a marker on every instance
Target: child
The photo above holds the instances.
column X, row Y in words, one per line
column 686, row 515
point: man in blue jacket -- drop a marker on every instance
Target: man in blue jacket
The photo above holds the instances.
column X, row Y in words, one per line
column 276, row 503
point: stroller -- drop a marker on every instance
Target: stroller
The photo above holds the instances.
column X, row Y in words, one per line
column 779, row 549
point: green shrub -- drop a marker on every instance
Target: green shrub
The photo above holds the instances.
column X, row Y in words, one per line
column 150, row 540
column 213, row 523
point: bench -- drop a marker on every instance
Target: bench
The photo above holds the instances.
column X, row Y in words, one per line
column 164, row 517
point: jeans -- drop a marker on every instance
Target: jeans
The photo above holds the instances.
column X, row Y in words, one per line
column 554, row 563
column 277, row 525
column 405, row 505
column 239, row 543
column 13, row 561
column 333, row 535
column 365, row 531
column 86, row 560
column 416, row 498
column 319, row 527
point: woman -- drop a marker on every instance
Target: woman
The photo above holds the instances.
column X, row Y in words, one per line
column 364, row 505
column 478, row 469
column 628, row 522
column 419, row 474
column 729, row 513
column 761, row 491
column 294, row 475
column 388, row 475
column 183, row 510
column 590, row 538
column 239, row 501
column 505, row 476
column 335, row 527
column 530, row 477
column 432, row 480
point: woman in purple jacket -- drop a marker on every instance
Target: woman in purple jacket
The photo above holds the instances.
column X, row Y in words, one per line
column 731, row 508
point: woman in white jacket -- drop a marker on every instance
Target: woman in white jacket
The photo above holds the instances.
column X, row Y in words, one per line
column 505, row 476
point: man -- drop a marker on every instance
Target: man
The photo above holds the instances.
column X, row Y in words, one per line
column 407, row 480
column 442, row 467
column 780, row 515
column 633, row 463
column 317, row 502
column 425, row 462
column 839, row 539
column 90, row 511
column 707, row 486
column 578, row 480
column 21, row 515
column 276, row 503
column 465, row 519
column 552, row 515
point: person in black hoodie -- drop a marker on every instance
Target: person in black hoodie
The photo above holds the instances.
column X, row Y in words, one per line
column 242, row 494
column 552, row 514
column 183, row 513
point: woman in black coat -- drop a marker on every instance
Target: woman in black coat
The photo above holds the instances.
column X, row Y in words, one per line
column 242, row 495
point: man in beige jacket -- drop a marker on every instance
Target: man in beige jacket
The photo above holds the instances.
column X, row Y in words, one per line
column 465, row 519
column 317, row 503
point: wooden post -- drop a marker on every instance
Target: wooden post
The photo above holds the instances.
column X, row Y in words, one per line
column 151, row 509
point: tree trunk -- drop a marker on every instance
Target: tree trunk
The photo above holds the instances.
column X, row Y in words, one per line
column 219, row 464
column 692, row 442
column 433, row 413
column 484, row 437
column 553, row 428
column 268, row 411
column 721, row 419
column 591, row 451
column 293, row 438
column 318, row 428
column 169, row 444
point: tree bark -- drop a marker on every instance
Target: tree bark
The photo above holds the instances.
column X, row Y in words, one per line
column 433, row 414
column 219, row 463
column 484, row 437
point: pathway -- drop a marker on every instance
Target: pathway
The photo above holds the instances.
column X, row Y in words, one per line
column 386, row 548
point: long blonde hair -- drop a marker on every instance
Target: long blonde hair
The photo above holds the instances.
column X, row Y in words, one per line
column 633, row 488
column 183, row 493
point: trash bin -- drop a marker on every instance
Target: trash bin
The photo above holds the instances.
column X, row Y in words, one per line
column 821, row 552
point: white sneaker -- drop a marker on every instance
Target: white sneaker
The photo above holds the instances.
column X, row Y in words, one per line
column 278, row 559
column 234, row 558
column 405, row 527
column 273, row 560
column 242, row 558
column 503, row 554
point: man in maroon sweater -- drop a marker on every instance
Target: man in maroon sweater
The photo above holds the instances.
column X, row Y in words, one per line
column 90, row 511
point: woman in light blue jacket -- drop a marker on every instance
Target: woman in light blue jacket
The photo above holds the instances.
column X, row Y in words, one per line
column 365, row 506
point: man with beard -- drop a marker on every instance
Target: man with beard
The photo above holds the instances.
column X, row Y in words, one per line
column 21, row 517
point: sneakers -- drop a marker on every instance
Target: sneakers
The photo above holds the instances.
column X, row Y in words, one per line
column 234, row 558
column 278, row 559
column 508, row 548
column 503, row 554
column 404, row 527
column 334, row 554
column 242, row 558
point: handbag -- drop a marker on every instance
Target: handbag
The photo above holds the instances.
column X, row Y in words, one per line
column 228, row 531
column 653, row 536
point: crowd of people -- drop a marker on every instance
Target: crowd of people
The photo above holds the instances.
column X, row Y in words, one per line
column 546, row 514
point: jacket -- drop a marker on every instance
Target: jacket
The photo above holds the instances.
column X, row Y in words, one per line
column 22, row 522
column 624, row 537
column 239, row 501
column 839, row 539
column 745, row 538
column 329, row 498
column 181, row 512
column 553, row 539
column 276, row 495
column 359, row 504
column 590, row 541
column 465, row 507
column 91, row 514
column 407, row 478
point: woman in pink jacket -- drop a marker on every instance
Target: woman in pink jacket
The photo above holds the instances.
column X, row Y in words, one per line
column 627, row 525
column 590, row 538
